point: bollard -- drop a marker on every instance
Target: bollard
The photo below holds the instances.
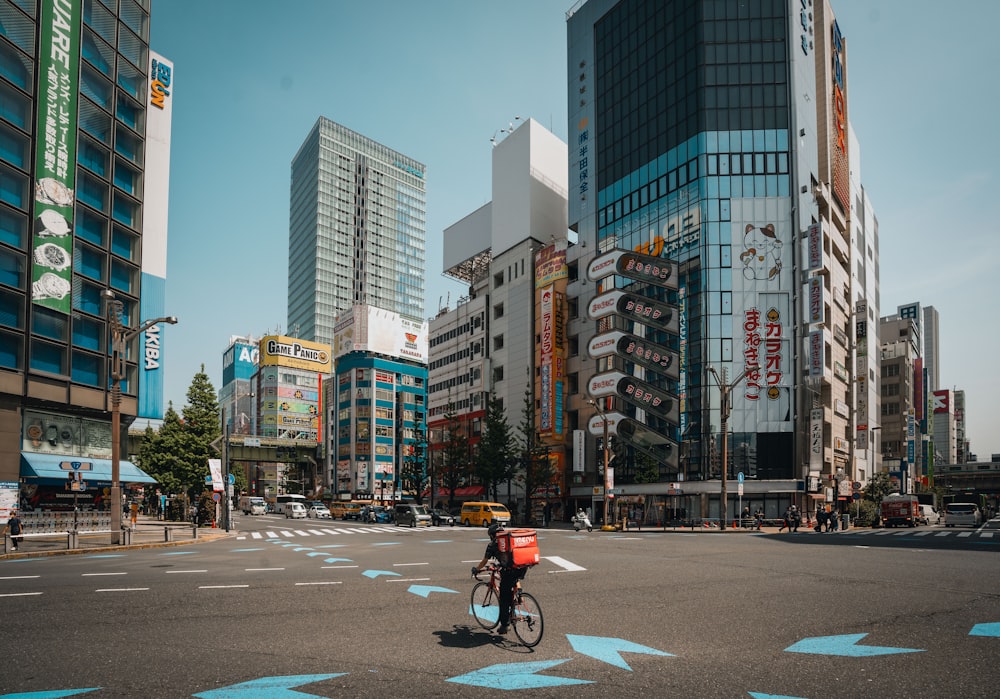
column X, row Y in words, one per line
column 166, row 533
column 194, row 531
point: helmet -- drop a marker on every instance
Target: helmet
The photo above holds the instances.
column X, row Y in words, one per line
column 494, row 528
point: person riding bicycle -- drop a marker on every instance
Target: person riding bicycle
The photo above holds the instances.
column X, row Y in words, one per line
column 509, row 576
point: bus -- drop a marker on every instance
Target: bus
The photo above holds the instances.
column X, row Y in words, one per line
column 281, row 500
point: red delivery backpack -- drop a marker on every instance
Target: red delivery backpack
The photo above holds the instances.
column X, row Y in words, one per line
column 519, row 547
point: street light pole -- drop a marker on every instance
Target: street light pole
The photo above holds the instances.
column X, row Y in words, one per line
column 724, row 391
column 604, row 419
column 119, row 337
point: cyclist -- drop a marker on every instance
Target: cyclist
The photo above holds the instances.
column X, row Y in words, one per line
column 509, row 576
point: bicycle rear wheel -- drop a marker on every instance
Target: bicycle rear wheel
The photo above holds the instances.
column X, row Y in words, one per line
column 527, row 620
column 485, row 606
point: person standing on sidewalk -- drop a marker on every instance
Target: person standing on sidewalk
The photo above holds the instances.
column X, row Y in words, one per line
column 15, row 528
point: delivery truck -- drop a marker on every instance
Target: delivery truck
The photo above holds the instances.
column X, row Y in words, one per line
column 900, row 510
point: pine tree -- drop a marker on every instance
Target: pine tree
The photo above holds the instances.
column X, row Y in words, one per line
column 456, row 457
column 536, row 469
column 496, row 460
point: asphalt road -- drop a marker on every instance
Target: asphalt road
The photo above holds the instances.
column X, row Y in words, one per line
column 375, row 611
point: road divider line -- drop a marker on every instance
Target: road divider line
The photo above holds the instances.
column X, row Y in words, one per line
column 410, row 564
column 257, row 570
column 168, row 572
column 328, row 582
column 564, row 564
column 219, row 587
column 22, row 594
column 122, row 589
column 89, row 575
column 335, row 567
column 20, row 577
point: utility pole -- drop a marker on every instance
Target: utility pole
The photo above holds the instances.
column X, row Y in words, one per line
column 724, row 393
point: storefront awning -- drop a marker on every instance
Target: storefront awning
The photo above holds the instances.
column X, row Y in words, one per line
column 54, row 469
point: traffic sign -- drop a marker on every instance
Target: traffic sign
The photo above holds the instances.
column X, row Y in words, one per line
column 739, row 477
column 216, row 496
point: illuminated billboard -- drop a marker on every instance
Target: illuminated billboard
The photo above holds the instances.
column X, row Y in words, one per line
column 278, row 350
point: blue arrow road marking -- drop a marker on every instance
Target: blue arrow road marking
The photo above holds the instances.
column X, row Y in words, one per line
column 268, row 688
column 992, row 629
column 178, row 553
column 608, row 649
column 245, row 550
column 375, row 573
column 337, row 560
column 516, row 676
column 426, row 590
column 844, row 645
column 302, row 548
column 490, row 613
column 758, row 695
column 53, row 694
column 315, row 553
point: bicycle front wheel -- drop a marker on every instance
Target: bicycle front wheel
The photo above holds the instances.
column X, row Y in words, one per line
column 527, row 620
column 485, row 606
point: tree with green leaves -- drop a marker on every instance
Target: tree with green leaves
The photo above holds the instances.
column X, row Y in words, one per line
column 177, row 456
column 455, row 456
column 647, row 469
column 496, row 460
column 413, row 471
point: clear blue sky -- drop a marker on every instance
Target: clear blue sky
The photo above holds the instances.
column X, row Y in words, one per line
column 437, row 79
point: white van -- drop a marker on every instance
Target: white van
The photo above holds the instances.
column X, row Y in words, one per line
column 295, row 510
column 962, row 514
column 928, row 515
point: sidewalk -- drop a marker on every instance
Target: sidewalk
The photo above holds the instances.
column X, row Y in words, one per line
column 148, row 533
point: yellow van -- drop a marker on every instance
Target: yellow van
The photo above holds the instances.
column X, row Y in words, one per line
column 345, row 510
column 483, row 514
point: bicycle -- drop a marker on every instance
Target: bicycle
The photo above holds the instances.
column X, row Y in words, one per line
column 525, row 616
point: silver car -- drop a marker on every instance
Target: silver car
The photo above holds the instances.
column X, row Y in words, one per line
column 962, row 514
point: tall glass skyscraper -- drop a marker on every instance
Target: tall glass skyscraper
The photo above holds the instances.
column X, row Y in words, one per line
column 714, row 134
column 357, row 230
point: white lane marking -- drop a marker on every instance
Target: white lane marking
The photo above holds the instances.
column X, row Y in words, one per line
column 168, row 572
column 331, row 531
column 317, row 532
column 329, row 582
column 926, row 533
column 943, row 534
column 251, row 570
column 271, row 535
column 22, row 594
column 288, row 534
column 407, row 579
column 256, row 535
column 409, row 564
column 89, row 575
column 122, row 589
column 563, row 563
column 219, row 587
column 301, row 533
column 20, row 577
column 335, row 567
column 964, row 534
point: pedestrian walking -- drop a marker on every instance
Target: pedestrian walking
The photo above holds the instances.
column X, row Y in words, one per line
column 796, row 518
column 15, row 528
column 786, row 521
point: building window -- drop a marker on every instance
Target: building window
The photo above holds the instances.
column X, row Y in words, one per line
column 498, row 311
column 497, row 374
column 497, row 342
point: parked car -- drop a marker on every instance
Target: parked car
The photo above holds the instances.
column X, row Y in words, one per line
column 295, row 510
column 441, row 517
column 318, row 511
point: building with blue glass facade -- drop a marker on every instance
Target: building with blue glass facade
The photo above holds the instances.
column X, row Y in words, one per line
column 714, row 134
column 84, row 158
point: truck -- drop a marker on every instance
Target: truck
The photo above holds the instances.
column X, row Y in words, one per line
column 252, row 505
column 900, row 510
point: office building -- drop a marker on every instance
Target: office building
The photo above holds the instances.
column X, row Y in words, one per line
column 85, row 128
column 489, row 343
column 357, row 229
column 716, row 135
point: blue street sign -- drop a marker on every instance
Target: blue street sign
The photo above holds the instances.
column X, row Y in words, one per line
column 739, row 477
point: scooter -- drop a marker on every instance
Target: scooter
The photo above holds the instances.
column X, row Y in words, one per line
column 581, row 520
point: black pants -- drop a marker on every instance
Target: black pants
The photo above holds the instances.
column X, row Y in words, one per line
column 508, row 581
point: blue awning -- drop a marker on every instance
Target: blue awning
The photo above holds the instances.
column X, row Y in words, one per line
column 54, row 469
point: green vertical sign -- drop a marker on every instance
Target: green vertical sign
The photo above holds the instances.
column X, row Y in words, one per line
column 55, row 154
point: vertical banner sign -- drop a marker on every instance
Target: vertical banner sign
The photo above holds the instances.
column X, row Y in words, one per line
column 55, row 154
column 547, row 379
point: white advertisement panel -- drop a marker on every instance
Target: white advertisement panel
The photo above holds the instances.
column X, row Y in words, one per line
column 762, row 314
column 369, row 329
